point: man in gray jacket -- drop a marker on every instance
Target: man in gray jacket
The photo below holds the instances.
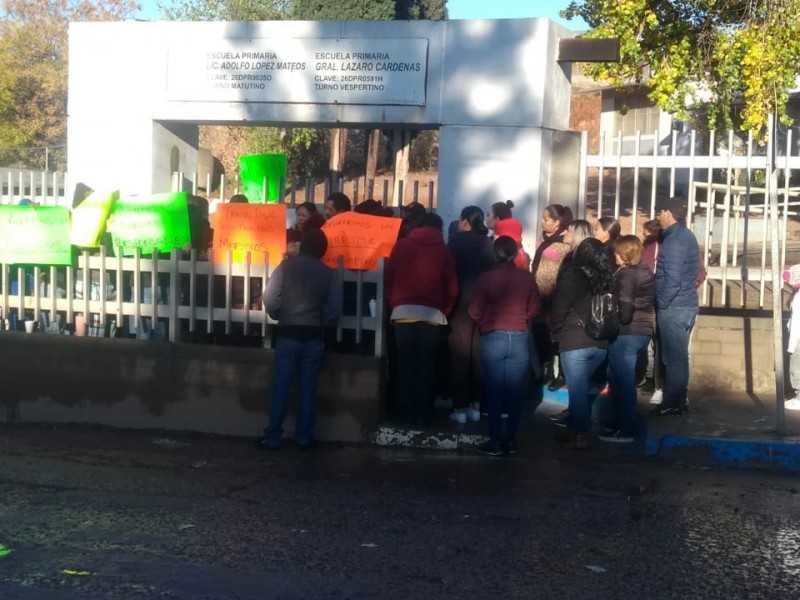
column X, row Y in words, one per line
column 676, row 303
column 304, row 296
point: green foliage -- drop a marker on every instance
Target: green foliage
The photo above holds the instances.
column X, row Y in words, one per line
column 416, row 10
column 33, row 74
column 740, row 57
column 343, row 10
column 369, row 10
column 229, row 10
column 424, row 152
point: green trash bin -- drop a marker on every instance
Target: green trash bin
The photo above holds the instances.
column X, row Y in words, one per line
column 263, row 170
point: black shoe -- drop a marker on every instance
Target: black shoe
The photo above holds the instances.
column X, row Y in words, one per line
column 557, row 383
column 669, row 411
column 615, row 437
column 263, row 444
column 574, row 440
column 491, row 449
column 307, row 445
column 510, row 448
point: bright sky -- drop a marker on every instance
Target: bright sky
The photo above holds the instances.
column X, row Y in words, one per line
column 512, row 9
column 460, row 9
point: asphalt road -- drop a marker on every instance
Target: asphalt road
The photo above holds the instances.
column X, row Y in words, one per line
column 105, row 514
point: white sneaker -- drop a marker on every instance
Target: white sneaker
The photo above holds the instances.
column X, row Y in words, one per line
column 792, row 404
column 472, row 414
column 657, row 397
column 459, row 416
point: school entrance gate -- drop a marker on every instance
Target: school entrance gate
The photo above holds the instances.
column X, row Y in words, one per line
column 494, row 89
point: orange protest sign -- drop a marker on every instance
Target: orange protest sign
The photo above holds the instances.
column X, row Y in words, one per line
column 254, row 228
column 360, row 239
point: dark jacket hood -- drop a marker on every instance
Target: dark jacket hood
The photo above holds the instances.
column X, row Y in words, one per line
column 426, row 236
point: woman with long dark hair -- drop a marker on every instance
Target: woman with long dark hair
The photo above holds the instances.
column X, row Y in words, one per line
column 583, row 358
column 473, row 254
column 504, row 302
column 636, row 290
column 607, row 230
column 545, row 267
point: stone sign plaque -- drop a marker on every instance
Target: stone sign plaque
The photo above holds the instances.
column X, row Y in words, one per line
column 299, row 70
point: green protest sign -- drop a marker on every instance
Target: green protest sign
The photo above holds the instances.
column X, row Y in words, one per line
column 254, row 169
column 159, row 222
column 89, row 218
column 35, row 235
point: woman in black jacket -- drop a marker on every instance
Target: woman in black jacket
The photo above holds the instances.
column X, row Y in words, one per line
column 473, row 254
column 583, row 358
column 636, row 291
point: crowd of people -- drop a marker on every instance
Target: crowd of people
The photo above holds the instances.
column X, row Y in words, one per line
column 504, row 318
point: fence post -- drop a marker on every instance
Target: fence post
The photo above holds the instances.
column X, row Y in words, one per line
column 777, row 283
column 174, row 284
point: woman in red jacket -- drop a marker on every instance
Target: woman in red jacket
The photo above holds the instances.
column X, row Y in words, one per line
column 421, row 288
column 505, row 300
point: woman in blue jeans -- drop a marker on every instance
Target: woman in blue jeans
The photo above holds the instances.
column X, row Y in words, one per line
column 504, row 302
column 583, row 358
column 636, row 291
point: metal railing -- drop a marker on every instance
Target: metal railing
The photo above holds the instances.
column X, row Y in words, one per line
column 726, row 193
column 101, row 293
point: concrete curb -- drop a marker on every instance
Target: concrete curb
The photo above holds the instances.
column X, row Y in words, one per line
column 773, row 455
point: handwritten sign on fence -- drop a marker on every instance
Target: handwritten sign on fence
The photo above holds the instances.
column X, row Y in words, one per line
column 254, row 228
column 35, row 235
column 360, row 239
column 159, row 222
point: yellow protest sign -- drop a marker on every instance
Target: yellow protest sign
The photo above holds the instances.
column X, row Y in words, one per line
column 89, row 218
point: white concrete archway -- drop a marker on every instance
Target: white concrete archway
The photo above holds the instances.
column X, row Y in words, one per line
column 494, row 88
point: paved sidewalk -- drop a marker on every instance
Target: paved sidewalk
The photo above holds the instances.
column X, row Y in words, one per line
column 724, row 430
column 728, row 430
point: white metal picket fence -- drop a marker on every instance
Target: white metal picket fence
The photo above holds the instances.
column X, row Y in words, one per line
column 726, row 189
column 153, row 297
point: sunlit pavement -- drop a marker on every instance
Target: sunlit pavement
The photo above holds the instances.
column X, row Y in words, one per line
column 93, row 513
column 720, row 431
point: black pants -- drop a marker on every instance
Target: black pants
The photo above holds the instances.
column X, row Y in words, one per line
column 466, row 375
column 416, row 362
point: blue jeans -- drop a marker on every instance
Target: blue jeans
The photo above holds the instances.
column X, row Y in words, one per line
column 622, row 355
column 674, row 327
column 585, row 371
column 301, row 359
column 505, row 357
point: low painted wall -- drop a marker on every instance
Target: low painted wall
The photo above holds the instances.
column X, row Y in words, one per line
column 733, row 354
column 224, row 390
column 143, row 385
